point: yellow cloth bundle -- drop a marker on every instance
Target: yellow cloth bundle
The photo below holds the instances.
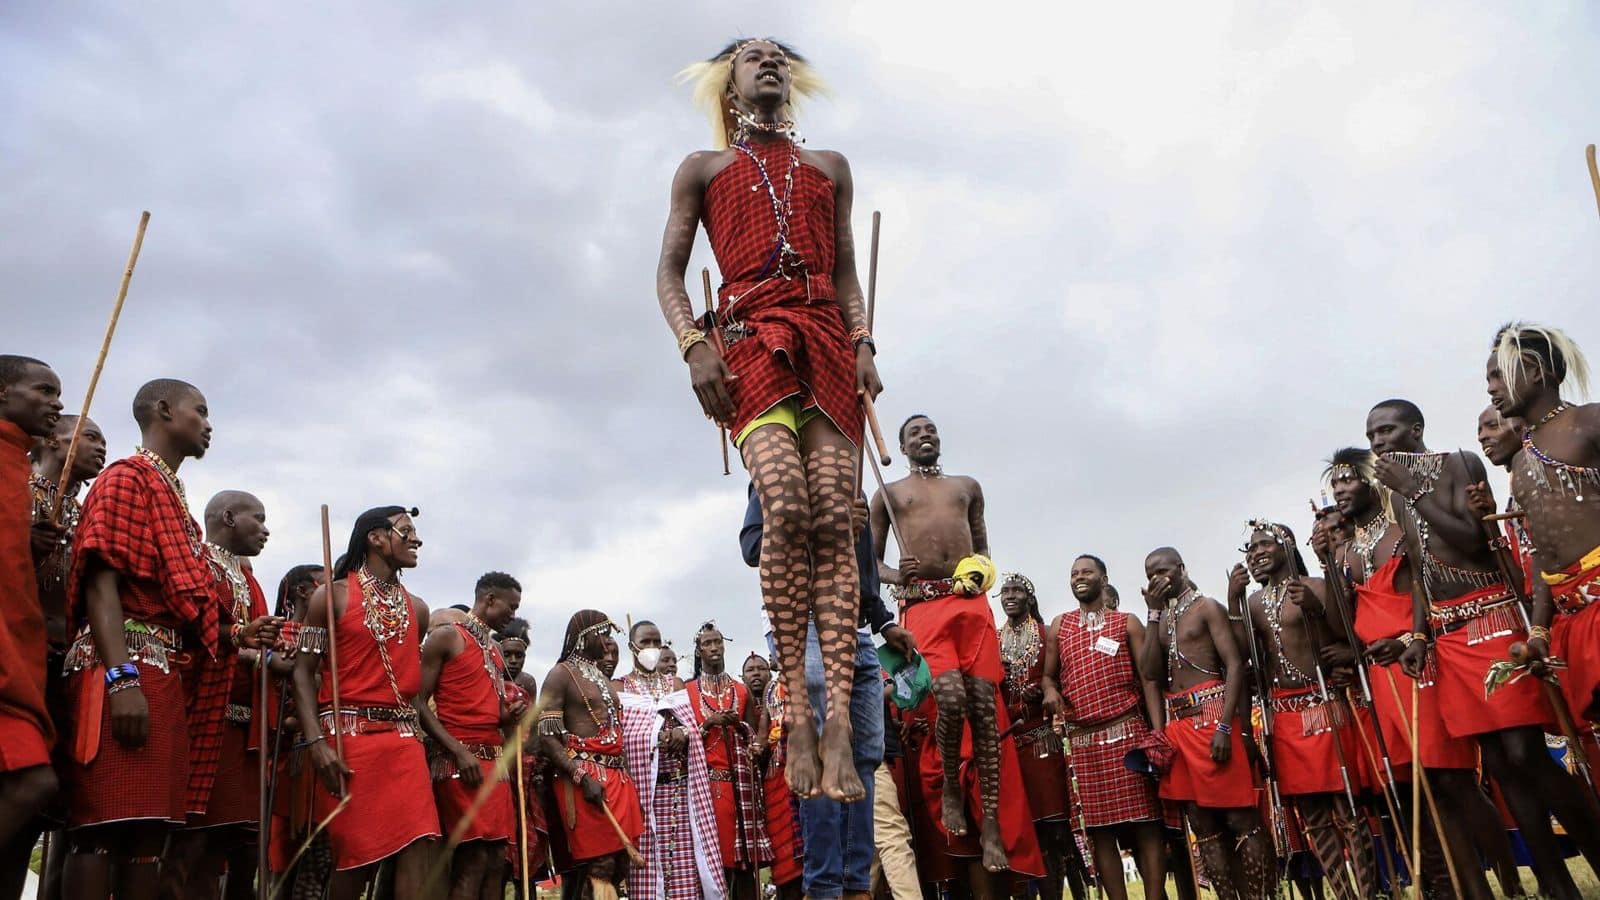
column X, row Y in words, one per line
column 974, row 575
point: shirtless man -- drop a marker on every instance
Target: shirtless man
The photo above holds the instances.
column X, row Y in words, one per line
column 943, row 573
column 580, row 734
column 1194, row 654
column 1556, row 480
column 1313, row 740
column 1471, row 618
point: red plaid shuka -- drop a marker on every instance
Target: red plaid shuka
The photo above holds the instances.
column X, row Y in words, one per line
column 1103, row 694
column 741, row 818
column 139, row 525
column 782, row 328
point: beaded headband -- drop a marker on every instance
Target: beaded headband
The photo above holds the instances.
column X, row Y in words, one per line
column 1342, row 471
column 1280, row 535
column 604, row 626
column 1018, row 578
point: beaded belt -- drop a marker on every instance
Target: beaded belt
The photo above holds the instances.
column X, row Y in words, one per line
column 1113, row 732
column 1486, row 618
column 442, row 766
column 1182, row 703
column 1316, row 715
column 237, row 713
column 734, row 332
column 1044, row 738
column 368, row 719
column 720, row 774
column 604, row 760
column 1575, row 600
column 923, row 589
column 156, row 646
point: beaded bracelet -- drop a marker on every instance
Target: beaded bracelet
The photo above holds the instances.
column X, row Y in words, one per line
column 121, row 685
column 1540, row 632
column 1406, row 639
column 689, row 339
column 122, row 672
column 1419, row 493
column 1224, row 728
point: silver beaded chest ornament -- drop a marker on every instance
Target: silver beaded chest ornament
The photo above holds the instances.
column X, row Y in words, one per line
column 1426, row 468
column 1550, row 473
column 1318, row 713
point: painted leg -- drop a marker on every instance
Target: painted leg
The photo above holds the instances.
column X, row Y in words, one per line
column 1253, row 849
column 772, row 456
column 950, row 692
column 981, row 701
column 1211, row 839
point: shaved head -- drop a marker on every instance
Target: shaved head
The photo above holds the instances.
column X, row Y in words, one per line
column 236, row 502
column 163, row 390
column 236, row 521
column 1169, row 553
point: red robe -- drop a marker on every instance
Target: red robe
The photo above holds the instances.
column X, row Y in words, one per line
column 390, row 794
column 741, row 822
column 1039, row 750
column 1383, row 612
column 469, row 707
column 236, row 795
column 586, row 832
column 785, row 334
column 1575, row 636
column 783, row 823
column 26, row 733
column 1195, row 777
column 136, row 523
column 956, row 633
column 1464, row 655
column 530, row 794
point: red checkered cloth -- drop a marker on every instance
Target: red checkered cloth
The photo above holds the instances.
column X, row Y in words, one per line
column 784, row 332
column 736, row 791
column 26, row 731
column 1097, row 687
column 679, row 842
column 139, row 526
column 1108, row 792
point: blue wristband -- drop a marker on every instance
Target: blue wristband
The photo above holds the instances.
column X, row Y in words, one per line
column 120, row 672
column 1224, row 728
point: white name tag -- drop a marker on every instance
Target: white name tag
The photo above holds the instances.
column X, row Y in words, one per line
column 1107, row 646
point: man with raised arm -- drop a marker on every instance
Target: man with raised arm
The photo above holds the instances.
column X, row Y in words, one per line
column 1194, row 654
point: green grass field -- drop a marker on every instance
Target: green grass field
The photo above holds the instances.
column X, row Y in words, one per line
column 1588, row 884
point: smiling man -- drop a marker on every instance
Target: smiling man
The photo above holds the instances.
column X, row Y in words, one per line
column 30, row 405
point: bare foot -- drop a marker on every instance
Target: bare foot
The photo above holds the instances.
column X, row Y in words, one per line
column 953, row 809
column 803, row 770
column 839, row 778
column 994, row 847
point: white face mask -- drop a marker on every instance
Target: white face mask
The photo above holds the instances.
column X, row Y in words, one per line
column 648, row 658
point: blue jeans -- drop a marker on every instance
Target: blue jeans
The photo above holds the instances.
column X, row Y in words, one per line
column 838, row 836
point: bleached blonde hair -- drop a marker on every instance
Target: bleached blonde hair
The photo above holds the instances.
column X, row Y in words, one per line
column 1521, row 345
column 711, row 85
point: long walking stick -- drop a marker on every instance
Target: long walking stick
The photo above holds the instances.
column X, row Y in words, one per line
column 1421, row 785
column 522, row 819
column 633, row 852
column 1594, row 173
column 870, row 410
column 716, row 341
column 333, row 644
column 261, row 779
column 99, row 364
column 1280, row 828
column 1338, row 742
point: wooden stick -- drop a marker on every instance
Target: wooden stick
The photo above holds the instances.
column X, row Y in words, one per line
column 872, row 262
column 265, row 810
column 99, row 363
column 333, row 642
column 633, row 852
column 1420, row 783
column 716, row 341
column 877, row 433
column 1505, row 517
column 1594, row 173
column 522, row 818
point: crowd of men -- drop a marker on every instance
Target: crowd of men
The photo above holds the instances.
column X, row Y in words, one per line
column 1391, row 717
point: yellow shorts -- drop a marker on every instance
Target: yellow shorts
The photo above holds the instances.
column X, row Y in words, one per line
column 787, row 412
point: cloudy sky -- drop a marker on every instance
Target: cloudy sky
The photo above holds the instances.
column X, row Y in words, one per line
column 1146, row 266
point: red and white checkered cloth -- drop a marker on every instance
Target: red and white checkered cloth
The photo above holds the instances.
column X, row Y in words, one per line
column 696, row 868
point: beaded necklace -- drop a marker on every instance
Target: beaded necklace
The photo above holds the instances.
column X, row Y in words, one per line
column 1368, row 534
column 583, row 668
column 492, row 661
column 228, row 566
column 386, row 613
column 653, row 684
column 721, row 697
column 1273, row 597
column 1436, row 573
column 1092, row 619
column 1185, row 602
column 1570, row 477
column 54, row 569
column 190, row 530
column 933, row 471
column 1020, row 647
column 783, row 253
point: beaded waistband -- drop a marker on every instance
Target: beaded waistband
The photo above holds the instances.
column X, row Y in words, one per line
column 237, row 713
column 1203, row 706
column 1484, row 618
column 1113, row 732
column 604, row 760
column 154, row 645
column 923, row 589
column 1316, row 714
column 442, row 766
column 720, row 774
column 372, row 719
column 1044, row 738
